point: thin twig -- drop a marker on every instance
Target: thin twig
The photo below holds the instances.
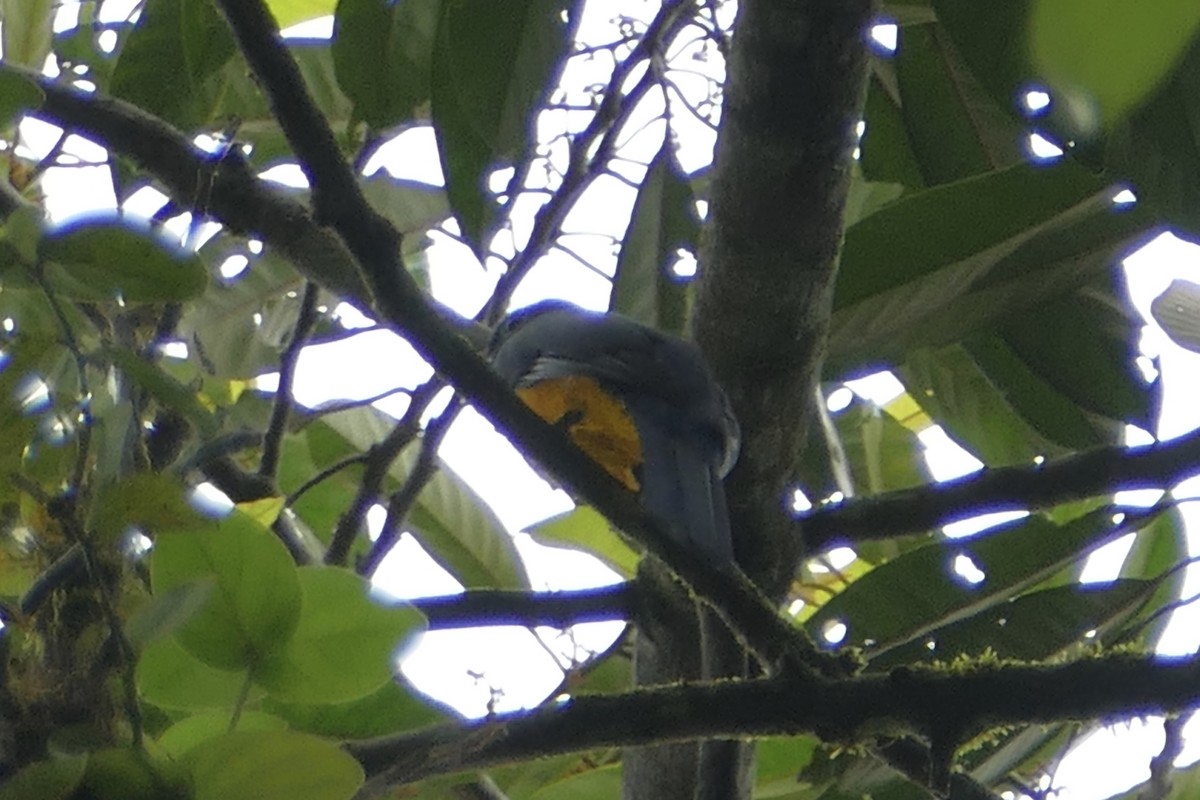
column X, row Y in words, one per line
column 589, row 151
column 325, row 474
column 272, row 444
column 403, row 499
column 378, row 461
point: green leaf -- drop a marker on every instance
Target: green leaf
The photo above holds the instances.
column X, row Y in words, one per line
column 150, row 376
column 1155, row 149
column 1102, row 57
column 167, row 612
column 272, row 765
column 151, row 500
column 191, row 731
column 185, row 39
column 582, row 528
column 883, row 454
column 170, row 677
column 289, row 12
column 663, row 221
column 26, row 28
column 411, row 206
column 938, row 264
column 221, row 322
column 1157, row 552
column 1035, row 400
column 778, row 761
column 392, row 708
column 587, row 783
column 918, row 593
column 255, row 606
column 18, row 94
column 1035, row 626
column 887, row 153
column 344, row 645
column 990, row 37
column 123, row 773
column 1097, row 372
column 449, row 519
column 493, row 65
column 383, row 52
column 949, row 386
column 46, row 780
column 106, row 259
column 1023, row 752
column 24, row 228
column 955, row 129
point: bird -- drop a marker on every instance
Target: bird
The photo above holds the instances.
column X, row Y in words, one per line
column 640, row 402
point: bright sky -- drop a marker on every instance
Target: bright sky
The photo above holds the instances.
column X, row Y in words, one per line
column 512, row 668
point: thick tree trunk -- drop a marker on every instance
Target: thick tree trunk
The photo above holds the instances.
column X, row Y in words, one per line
column 793, row 96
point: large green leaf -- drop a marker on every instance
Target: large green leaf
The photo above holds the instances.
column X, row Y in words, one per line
column 256, row 603
column 272, row 765
column 170, row 677
column 1158, row 552
column 919, row 593
column 18, row 96
column 582, row 528
column 1035, row 400
column 192, row 731
column 344, row 643
column 107, row 259
column 589, row 782
column 382, row 52
column 883, row 454
column 949, row 385
column 663, row 221
column 940, row 263
column 1104, row 56
column 1038, row 625
column 56, row 779
column 26, row 30
column 1097, row 371
column 411, row 206
column 1154, row 146
column 493, row 65
column 184, row 39
column 954, row 127
column 1157, row 148
column 393, row 707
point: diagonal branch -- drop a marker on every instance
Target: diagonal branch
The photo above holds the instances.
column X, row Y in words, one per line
column 1076, row 477
column 400, row 301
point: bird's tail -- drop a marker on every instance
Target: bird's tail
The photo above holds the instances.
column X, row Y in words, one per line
column 681, row 485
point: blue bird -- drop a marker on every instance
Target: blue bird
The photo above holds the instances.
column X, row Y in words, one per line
column 641, row 403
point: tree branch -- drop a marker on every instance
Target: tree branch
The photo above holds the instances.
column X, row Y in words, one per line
column 949, row 706
column 400, row 301
column 378, row 461
column 281, row 408
column 481, row 607
column 1076, row 477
